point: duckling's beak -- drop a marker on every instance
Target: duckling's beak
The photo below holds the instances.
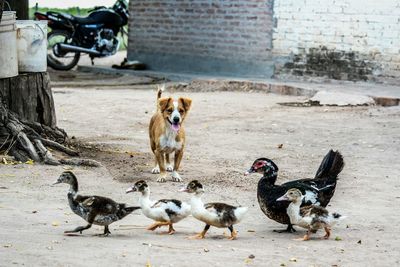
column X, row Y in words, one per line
column 283, row 198
column 131, row 189
column 183, row 189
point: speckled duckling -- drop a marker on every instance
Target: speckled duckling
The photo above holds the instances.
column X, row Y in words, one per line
column 163, row 211
column 220, row 215
column 93, row 209
column 310, row 217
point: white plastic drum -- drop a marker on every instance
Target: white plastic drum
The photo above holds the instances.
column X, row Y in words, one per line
column 8, row 46
column 32, row 45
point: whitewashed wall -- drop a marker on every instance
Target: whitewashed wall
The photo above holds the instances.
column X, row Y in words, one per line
column 369, row 28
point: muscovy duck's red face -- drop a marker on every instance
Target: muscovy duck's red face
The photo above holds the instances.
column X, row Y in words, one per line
column 262, row 165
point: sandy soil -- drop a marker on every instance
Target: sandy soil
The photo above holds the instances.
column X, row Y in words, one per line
column 226, row 131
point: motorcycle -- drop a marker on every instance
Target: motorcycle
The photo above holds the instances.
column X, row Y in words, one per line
column 95, row 35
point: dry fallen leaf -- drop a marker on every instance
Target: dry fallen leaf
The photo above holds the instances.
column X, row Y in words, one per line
column 247, row 261
column 293, row 260
column 280, row 145
column 55, row 223
column 7, row 245
column 206, row 250
column 338, row 238
column 30, row 162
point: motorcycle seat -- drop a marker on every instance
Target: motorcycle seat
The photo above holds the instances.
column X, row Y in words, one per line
column 84, row 20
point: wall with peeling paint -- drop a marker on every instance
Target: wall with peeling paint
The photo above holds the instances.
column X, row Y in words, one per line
column 339, row 39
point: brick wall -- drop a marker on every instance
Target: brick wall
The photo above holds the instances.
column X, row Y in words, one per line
column 340, row 39
column 231, row 37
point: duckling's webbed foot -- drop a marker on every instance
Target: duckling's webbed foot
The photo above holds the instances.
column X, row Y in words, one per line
column 233, row 233
column 78, row 229
column 327, row 233
column 171, row 229
column 289, row 229
column 156, row 225
column 202, row 234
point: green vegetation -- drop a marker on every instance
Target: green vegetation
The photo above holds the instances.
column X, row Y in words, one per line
column 76, row 11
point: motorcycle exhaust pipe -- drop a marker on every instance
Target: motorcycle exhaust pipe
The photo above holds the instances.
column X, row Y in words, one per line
column 72, row 48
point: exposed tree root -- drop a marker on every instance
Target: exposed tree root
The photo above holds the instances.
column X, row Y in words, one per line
column 28, row 140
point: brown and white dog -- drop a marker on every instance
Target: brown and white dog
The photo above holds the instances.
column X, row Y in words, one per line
column 167, row 134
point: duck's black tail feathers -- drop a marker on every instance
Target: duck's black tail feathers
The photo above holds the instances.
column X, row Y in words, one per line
column 331, row 166
column 123, row 210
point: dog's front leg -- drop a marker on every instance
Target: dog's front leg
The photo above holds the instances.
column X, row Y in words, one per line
column 169, row 166
column 161, row 164
column 177, row 161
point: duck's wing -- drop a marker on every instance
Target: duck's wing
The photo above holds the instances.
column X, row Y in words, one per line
column 225, row 212
column 167, row 202
column 99, row 204
column 308, row 188
column 305, row 210
column 319, row 211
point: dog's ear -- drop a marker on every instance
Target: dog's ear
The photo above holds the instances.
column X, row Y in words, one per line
column 163, row 103
column 186, row 103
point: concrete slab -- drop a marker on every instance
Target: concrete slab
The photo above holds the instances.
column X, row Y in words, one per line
column 341, row 99
column 382, row 94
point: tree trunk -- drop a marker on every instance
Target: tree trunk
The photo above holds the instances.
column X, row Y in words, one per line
column 29, row 96
column 21, row 7
column 28, row 121
column 1, row 8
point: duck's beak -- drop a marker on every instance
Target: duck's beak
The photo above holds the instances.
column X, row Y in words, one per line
column 56, row 182
column 183, row 189
column 283, row 198
column 131, row 189
column 251, row 170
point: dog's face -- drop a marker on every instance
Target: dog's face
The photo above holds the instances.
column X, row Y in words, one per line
column 174, row 111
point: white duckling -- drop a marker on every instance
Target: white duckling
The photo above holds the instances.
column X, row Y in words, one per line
column 310, row 217
column 163, row 211
column 220, row 215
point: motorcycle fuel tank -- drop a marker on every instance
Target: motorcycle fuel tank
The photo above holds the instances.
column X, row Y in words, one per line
column 107, row 17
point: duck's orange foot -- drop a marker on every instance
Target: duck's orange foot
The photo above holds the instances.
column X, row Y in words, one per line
column 156, row 225
column 304, row 238
column 327, row 233
column 233, row 235
column 198, row 236
column 171, row 232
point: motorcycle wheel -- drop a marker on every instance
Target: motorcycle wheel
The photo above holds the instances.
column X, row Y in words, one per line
column 59, row 61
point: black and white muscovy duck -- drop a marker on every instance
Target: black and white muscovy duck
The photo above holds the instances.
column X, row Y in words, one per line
column 220, row 215
column 317, row 191
column 93, row 209
column 163, row 211
column 310, row 217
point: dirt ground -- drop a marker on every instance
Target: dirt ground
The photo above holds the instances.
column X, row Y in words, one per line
column 225, row 131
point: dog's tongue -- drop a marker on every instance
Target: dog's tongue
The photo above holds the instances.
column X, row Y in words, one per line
column 176, row 127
